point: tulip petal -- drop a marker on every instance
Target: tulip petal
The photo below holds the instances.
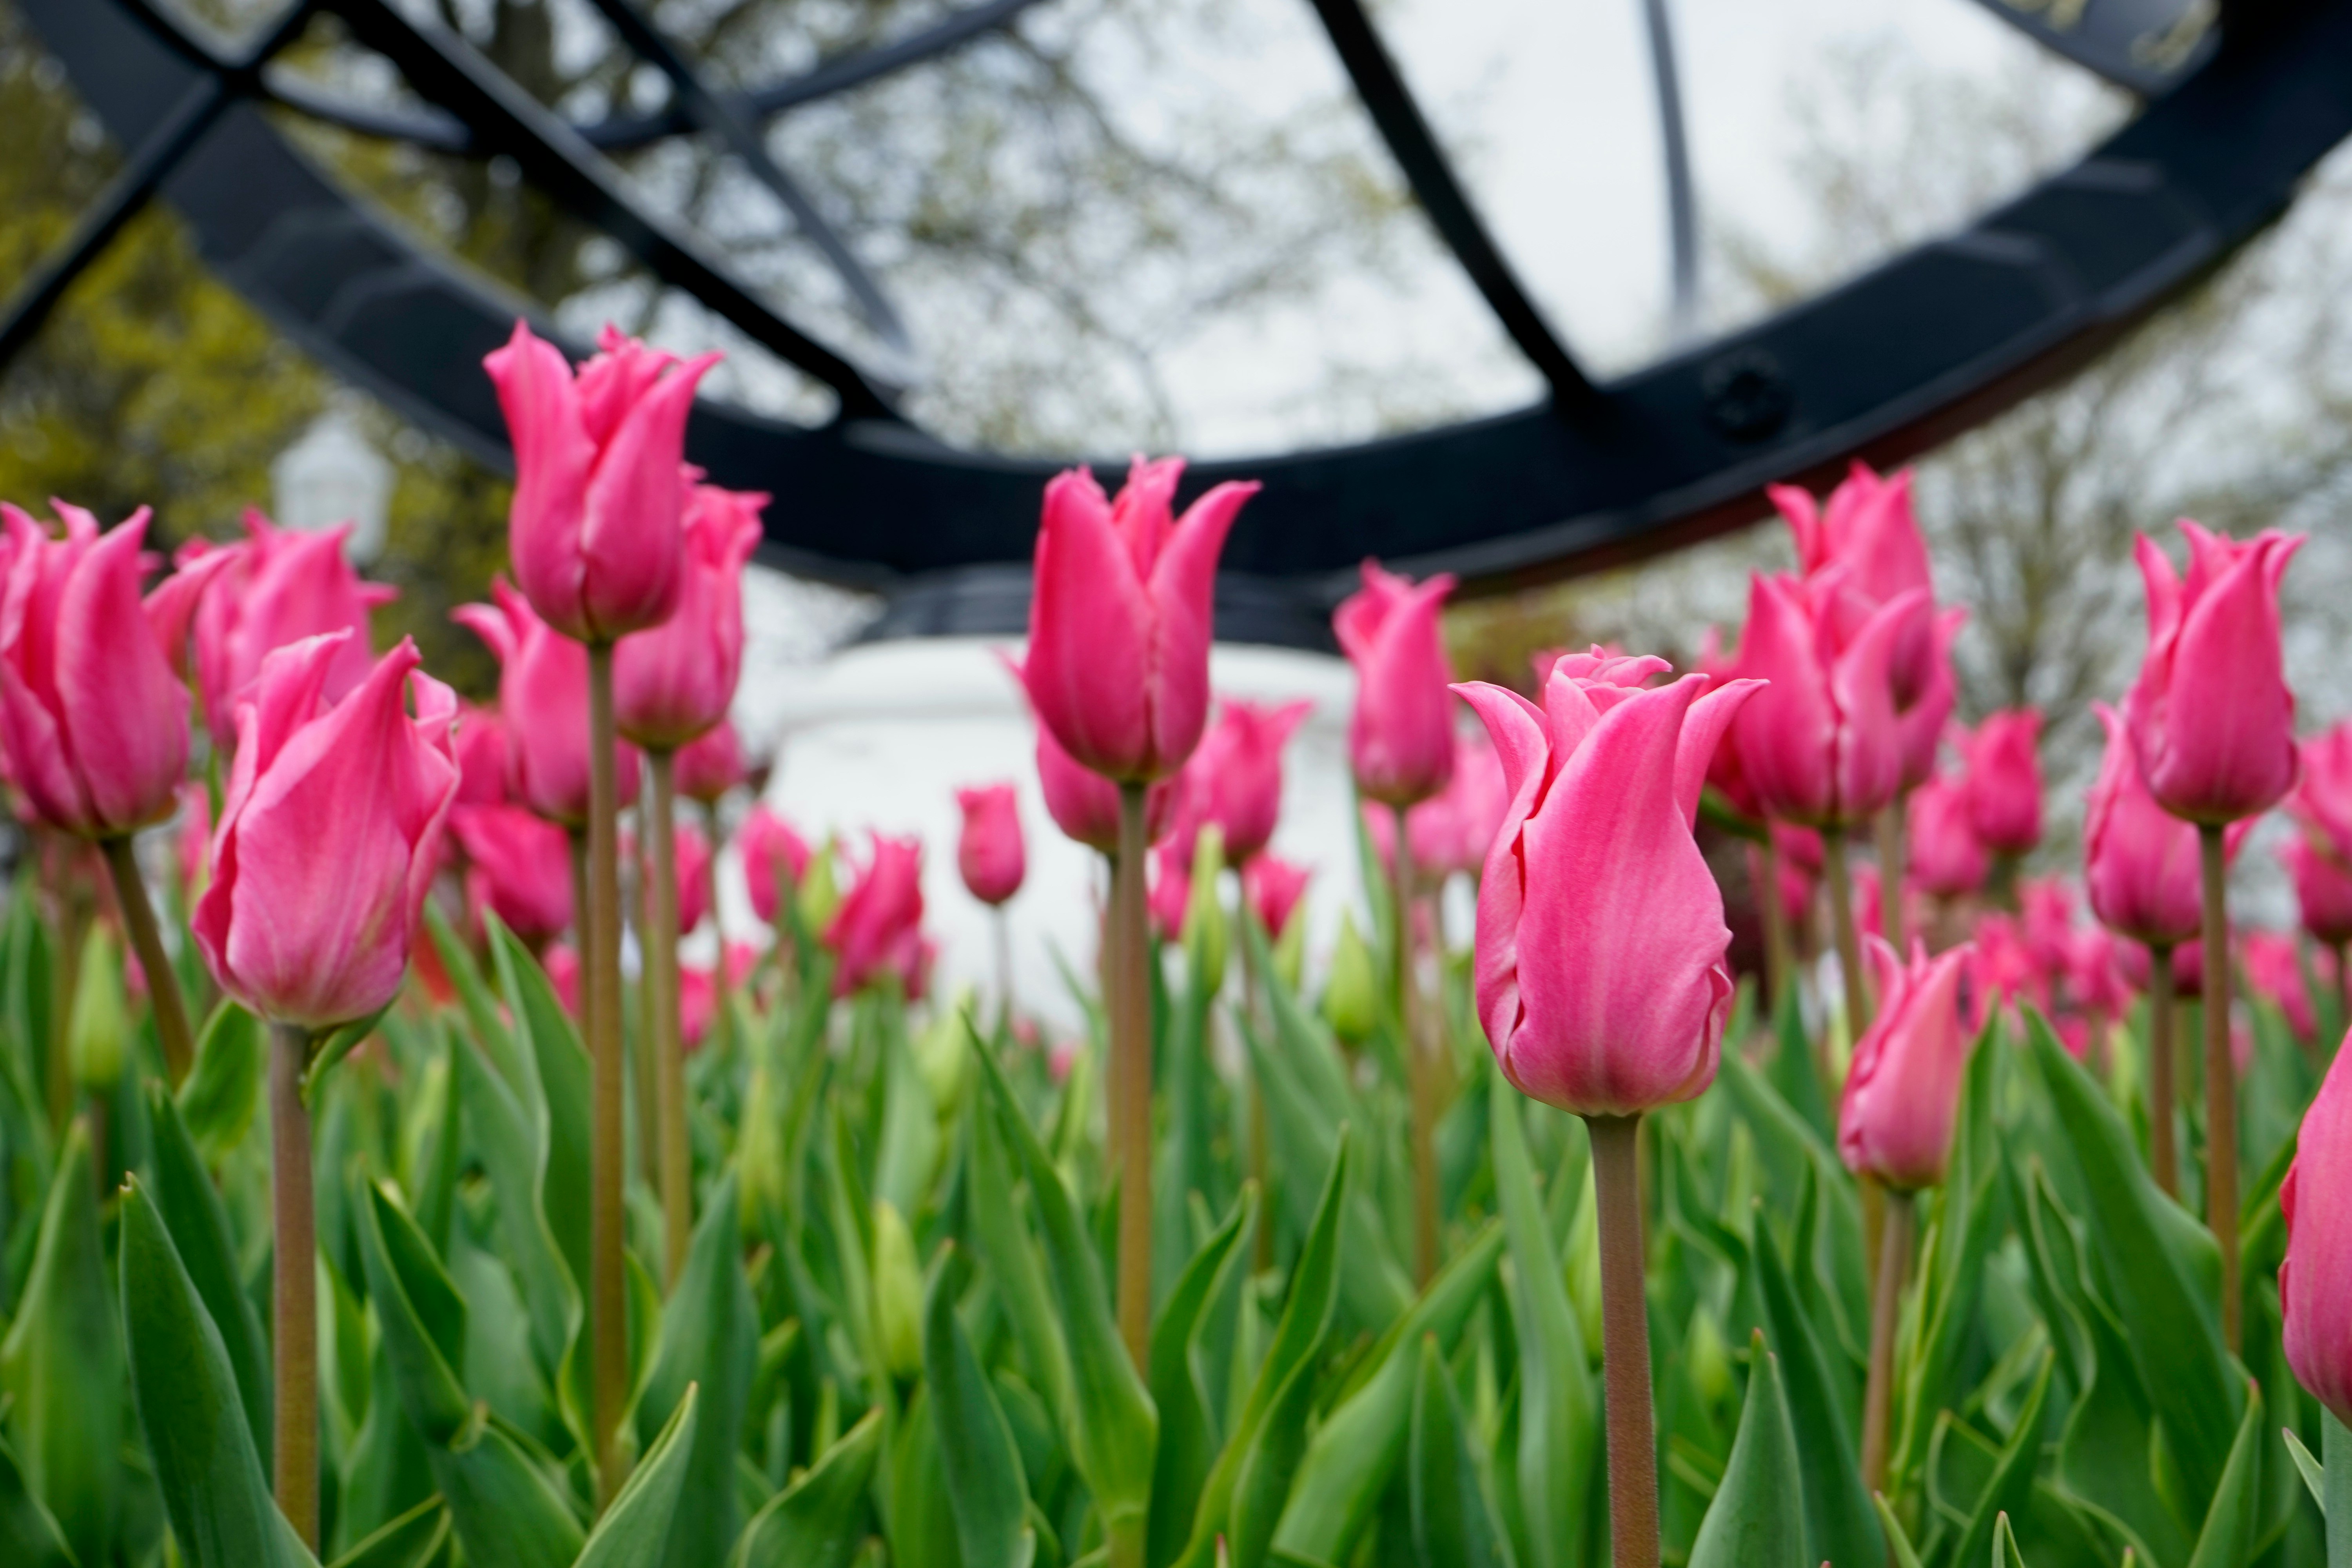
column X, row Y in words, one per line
column 634, row 506
column 554, row 455
column 1090, row 666
column 1709, row 719
column 1183, row 602
column 123, row 712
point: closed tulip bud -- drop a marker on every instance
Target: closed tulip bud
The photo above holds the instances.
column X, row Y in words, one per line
column 518, row 869
column 897, row 1292
column 2272, row 964
column 1274, row 887
column 2005, row 781
column 2212, row 720
column 1351, row 993
column 1083, row 804
column 711, row 765
column 818, row 896
column 673, row 682
column 1401, row 737
column 942, row 1052
column 544, row 695
column 1868, row 529
column 2323, row 889
column 775, row 859
column 1235, row 779
column 277, row 586
column 1206, row 938
column 877, row 929
column 990, row 854
column 1903, row 1092
column 2315, row 1280
column 2140, row 862
column 1600, row 972
column 600, row 482
column 98, row 1034
column 93, row 723
column 1290, row 956
column 1119, row 620
column 1921, row 717
column 330, row 835
column 1947, row 859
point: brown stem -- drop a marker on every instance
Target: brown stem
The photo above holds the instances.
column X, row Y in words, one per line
column 669, row 1047
column 1002, row 930
column 1131, row 1053
column 1878, row 1391
column 2220, row 1078
column 1777, row 959
column 1848, row 935
column 171, row 1011
column 608, row 1344
column 294, row 1286
column 1625, row 1343
column 1420, row 1076
column 1891, row 826
column 2163, row 1096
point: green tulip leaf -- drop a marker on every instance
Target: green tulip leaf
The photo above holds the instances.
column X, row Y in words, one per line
column 2004, row 1544
column 2010, row 1488
column 28, row 1531
column 2314, row 1475
column 1758, row 1517
column 2232, row 1525
column 819, row 1520
column 1841, row 1526
column 710, row 1336
column 1453, row 1524
column 557, row 1060
column 986, row 1489
column 222, row 1088
column 636, row 1529
column 1898, row 1545
column 1187, row 1445
column 481, row 1008
column 191, row 1207
column 503, row 1140
column 412, row 1541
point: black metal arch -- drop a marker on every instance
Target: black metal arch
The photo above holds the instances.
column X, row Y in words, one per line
column 1884, row 366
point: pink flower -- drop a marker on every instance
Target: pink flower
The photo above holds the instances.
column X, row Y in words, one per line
column 2004, row 970
column 990, row 854
column 710, row 764
column 328, row 836
column 1726, row 773
column 1400, row 738
column 673, row 682
column 1235, row 779
column 1119, row 621
column 2187, row 968
column 93, row 720
column 2094, row 977
column 600, row 481
column 2047, row 911
column 2315, row 1280
column 1947, row 858
column 1903, row 1091
column 482, row 762
column 1870, row 908
column 2273, row 968
column 1820, row 745
column 775, row 858
column 277, row 586
column 520, row 868
column 2140, row 862
column 698, row 1003
column 693, row 852
column 1869, row 532
column 1600, row 970
column 1172, row 890
column 1921, row 717
column 1274, row 887
column 2005, row 781
column 543, row 694
column 879, row 927
column 2321, row 800
column 2323, row 889
column 1085, row 805
column 562, row 966
column 1452, row 830
column 2211, row 717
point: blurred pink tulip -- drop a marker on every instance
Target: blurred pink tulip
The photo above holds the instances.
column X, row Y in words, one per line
column 1726, row 773
column 2005, row 781
column 544, row 695
column 2272, row 962
column 1868, row 532
column 520, row 868
column 600, row 481
column 483, row 766
column 1235, row 779
column 2187, row 968
column 673, row 682
column 93, row 722
column 1947, row 858
column 1172, row 890
column 1922, row 717
column 1903, row 1092
column 1870, row 909
column 2095, row 982
column 990, row 853
column 1085, row 805
column 1274, row 887
column 194, row 842
column 2140, row 862
column 2212, row 720
column 1120, row 620
column 562, row 963
column 2315, row 1279
column 1600, row 970
column 2321, row 800
column 2323, row 889
column 328, row 836
column 2046, row 921
column 1400, row 737
column 879, row 927
column 774, row 856
column 277, row 586
column 2004, row 972
column 693, row 851
column 711, row 765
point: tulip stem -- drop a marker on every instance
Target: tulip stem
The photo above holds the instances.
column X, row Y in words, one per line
column 1626, row 1342
column 1849, row 935
column 608, row 1344
column 1878, row 1391
column 1891, row 826
column 294, row 1287
column 1777, row 959
column 1421, row 1066
column 2220, row 1077
column 2162, row 1094
column 661, row 980
column 1130, row 1052
column 171, row 1010
column 1001, row 928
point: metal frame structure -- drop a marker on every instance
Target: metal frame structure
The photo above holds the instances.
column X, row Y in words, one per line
column 1883, row 366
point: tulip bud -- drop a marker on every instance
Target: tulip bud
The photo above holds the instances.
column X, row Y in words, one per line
column 672, row 683
column 711, row 765
column 990, row 853
column 1903, row 1092
column 1351, row 994
column 775, row 861
column 943, row 1053
column 1947, row 858
column 98, row 1034
column 2005, row 781
column 1401, row 737
column 1206, row 937
column 820, row 891
column 897, row 1292
column 1290, row 955
column 1235, row 779
column 543, row 697
column 2315, row 1280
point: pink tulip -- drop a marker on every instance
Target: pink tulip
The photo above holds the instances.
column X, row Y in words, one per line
column 2315, row 1280
column 2140, row 862
column 2323, row 889
column 2046, row 921
column 879, row 927
column 1172, row 890
column 543, row 694
column 1869, row 903
column 93, row 723
column 1726, row 773
column 1820, row 745
column 277, row 586
column 483, row 766
column 599, row 482
column 2095, row 982
column 520, row 868
column 562, row 963
column 1120, row 620
column 1274, row 887
column 990, row 854
column 2187, row 968
column 1868, row 533
column 1235, row 779
column 1085, row 805
column 1903, row 1092
column 2004, row 970
column 2321, row 800
column 328, row 836
column 698, row 1003
column 2004, row 780
column 693, row 852
column 673, row 682
column 773, row 857
column 1600, row 970
column 1921, row 717
column 711, row 765
column 2212, row 720
column 1401, row 737
column 1947, row 858
column 2273, row 970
